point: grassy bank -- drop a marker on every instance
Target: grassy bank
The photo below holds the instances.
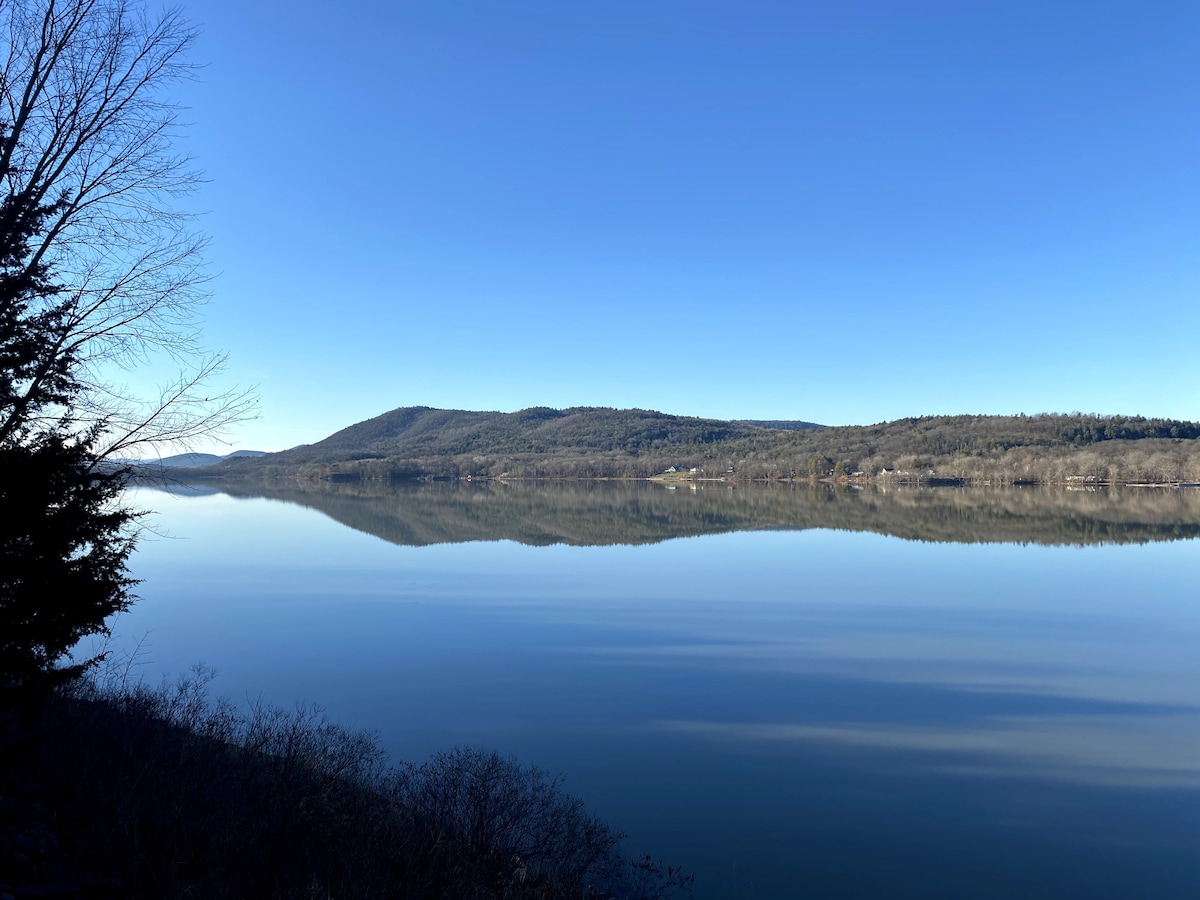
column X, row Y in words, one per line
column 132, row 791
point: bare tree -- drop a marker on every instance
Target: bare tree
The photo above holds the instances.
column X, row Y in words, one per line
column 87, row 148
column 100, row 273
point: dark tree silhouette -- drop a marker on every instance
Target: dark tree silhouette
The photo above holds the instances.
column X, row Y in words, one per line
column 99, row 272
column 64, row 541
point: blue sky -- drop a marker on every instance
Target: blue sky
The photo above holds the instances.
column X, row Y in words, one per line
column 839, row 212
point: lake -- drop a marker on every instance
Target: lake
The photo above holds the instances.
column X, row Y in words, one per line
column 921, row 693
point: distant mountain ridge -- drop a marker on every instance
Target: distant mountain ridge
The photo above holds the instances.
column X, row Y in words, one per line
column 196, row 460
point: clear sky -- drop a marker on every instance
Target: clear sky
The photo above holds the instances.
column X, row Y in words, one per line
column 840, row 212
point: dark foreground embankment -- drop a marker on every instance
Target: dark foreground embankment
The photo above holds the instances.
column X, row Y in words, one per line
column 165, row 793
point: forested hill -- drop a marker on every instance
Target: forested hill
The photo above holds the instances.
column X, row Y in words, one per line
column 591, row 442
column 417, row 432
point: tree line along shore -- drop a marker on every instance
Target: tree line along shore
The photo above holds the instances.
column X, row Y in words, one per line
column 601, row 443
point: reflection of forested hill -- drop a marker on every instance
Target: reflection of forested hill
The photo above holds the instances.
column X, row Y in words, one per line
column 639, row 513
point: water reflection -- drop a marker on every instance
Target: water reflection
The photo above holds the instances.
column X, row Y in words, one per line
column 792, row 710
column 603, row 513
column 1089, row 749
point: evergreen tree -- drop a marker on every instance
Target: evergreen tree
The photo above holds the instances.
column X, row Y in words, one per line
column 64, row 543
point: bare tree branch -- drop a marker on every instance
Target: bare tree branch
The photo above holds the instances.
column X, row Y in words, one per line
column 87, row 148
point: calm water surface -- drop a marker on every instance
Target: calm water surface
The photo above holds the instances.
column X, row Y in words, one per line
column 789, row 711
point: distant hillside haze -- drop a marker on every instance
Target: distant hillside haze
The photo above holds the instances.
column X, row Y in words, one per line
column 198, row 460
column 600, row 442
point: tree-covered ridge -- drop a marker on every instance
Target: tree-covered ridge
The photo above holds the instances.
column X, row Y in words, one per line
column 1124, row 428
column 782, row 424
column 593, row 442
column 422, row 431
